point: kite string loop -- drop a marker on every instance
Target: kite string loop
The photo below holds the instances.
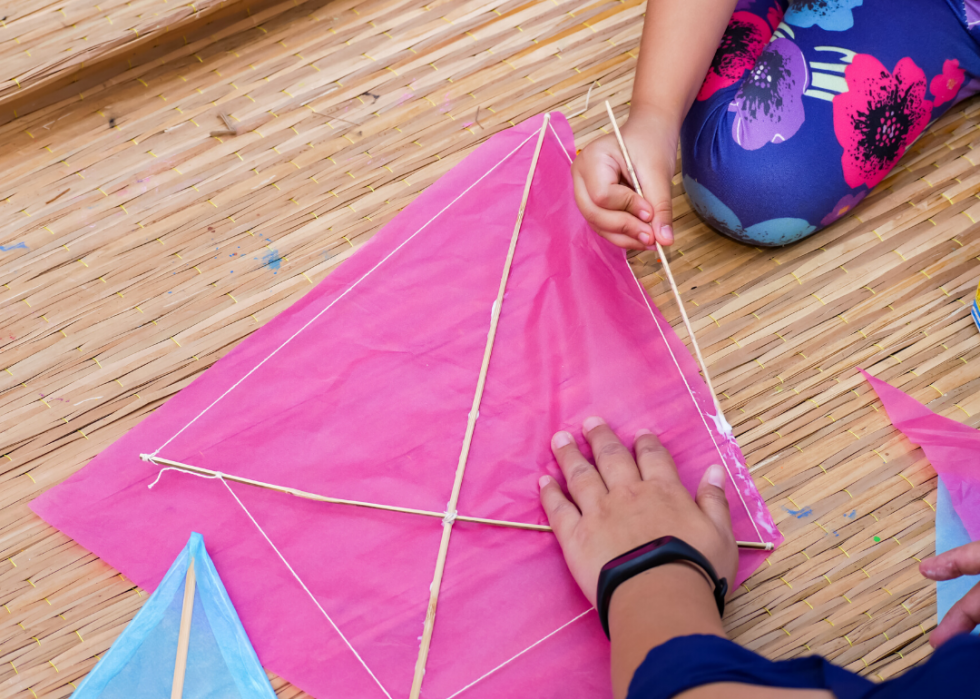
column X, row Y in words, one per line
column 217, row 475
column 450, row 517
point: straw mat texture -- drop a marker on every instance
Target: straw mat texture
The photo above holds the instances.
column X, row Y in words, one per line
column 43, row 41
column 137, row 249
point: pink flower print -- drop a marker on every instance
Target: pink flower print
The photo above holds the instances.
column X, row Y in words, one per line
column 847, row 203
column 775, row 16
column 945, row 85
column 878, row 117
column 745, row 38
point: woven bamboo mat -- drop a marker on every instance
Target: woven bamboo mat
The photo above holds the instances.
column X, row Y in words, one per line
column 137, row 250
column 42, row 41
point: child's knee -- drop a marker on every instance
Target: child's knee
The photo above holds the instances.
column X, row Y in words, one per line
column 766, row 206
column 777, row 222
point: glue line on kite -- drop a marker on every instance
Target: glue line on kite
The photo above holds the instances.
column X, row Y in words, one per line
column 430, row 614
column 303, row 585
column 690, row 391
column 515, row 657
column 346, row 291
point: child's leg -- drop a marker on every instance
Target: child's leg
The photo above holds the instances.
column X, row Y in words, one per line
column 794, row 126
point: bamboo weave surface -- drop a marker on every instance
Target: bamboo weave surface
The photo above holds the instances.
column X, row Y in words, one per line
column 41, row 40
column 150, row 249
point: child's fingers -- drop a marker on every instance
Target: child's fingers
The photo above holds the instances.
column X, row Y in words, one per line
column 614, row 196
column 963, row 560
column 604, row 177
column 657, row 191
column 585, row 485
column 962, row 617
column 562, row 514
column 613, row 225
column 711, row 498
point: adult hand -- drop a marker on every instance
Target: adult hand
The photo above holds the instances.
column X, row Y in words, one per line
column 965, row 614
column 604, row 190
column 622, row 503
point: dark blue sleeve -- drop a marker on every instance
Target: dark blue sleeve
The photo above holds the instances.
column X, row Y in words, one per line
column 691, row 661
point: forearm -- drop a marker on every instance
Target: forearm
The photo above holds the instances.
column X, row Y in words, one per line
column 679, row 41
column 654, row 607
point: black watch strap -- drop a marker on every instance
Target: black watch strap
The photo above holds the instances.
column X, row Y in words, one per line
column 666, row 549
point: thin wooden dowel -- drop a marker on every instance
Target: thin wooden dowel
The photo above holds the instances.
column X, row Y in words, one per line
column 184, row 635
column 198, row 470
column 160, row 461
column 430, row 614
column 663, row 261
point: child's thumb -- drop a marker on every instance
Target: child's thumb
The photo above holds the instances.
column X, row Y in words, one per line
column 657, row 191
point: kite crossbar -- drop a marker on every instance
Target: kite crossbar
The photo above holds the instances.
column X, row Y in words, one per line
column 444, row 516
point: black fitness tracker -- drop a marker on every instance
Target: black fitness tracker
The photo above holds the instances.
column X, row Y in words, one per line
column 666, row 549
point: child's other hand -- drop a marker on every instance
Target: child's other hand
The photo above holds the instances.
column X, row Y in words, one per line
column 623, row 502
column 604, row 192
column 964, row 616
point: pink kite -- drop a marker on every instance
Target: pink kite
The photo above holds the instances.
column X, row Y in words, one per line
column 364, row 390
column 953, row 449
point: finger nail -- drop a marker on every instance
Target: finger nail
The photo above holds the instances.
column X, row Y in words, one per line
column 543, row 481
column 644, row 238
column 716, row 476
column 642, row 431
column 592, row 422
column 668, row 233
column 645, row 215
column 561, row 439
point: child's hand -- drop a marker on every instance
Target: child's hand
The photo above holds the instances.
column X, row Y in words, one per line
column 627, row 502
column 964, row 616
column 604, row 191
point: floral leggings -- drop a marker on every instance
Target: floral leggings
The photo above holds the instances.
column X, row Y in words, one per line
column 810, row 103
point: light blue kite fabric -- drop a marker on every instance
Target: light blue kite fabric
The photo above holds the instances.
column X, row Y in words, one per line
column 950, row 533
column 221, row 663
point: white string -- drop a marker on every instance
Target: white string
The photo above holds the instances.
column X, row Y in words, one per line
column 303, row 585
column 515, row 657
column 190, row 473
column 346, row 291
column 218, row 476
column 690, row 391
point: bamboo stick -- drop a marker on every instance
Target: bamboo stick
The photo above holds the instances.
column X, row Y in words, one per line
column 666, row 266
column 199, row 470
column 184, row 635
column 337, row 501
column 430, row 615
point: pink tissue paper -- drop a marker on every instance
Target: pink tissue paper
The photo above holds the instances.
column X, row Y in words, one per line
column 361, row 390
column 953, row 449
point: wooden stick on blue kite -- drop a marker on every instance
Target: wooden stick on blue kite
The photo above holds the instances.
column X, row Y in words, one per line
column 184, row 635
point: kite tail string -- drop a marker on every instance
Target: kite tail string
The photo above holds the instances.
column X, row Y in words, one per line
column 690, row 391
column 305, row 588
column 515, row 657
